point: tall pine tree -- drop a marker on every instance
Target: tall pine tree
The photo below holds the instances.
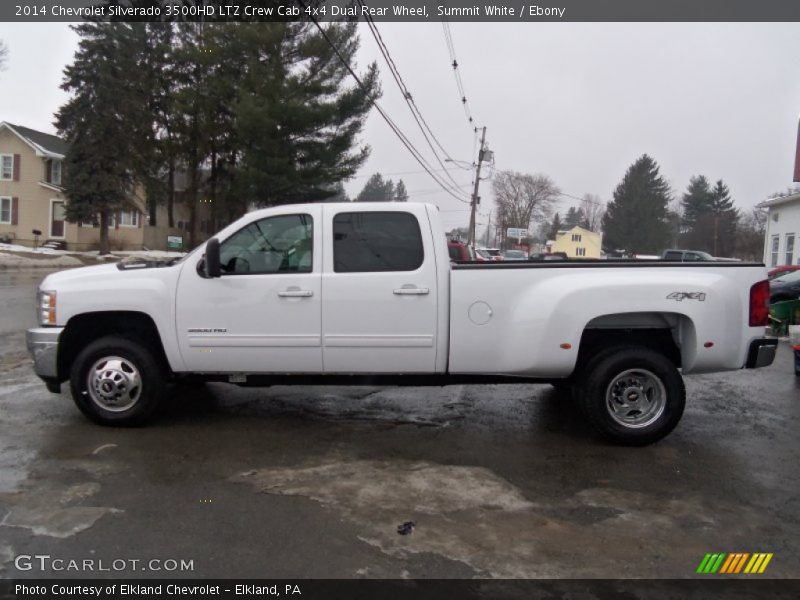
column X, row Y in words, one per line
column 709, row 217
column 298, row 114
column 400, row 193
column 103, row 122
column 726, row 219
column 555, row 227
column 573, row 218
column 696, row 206
column 636, row 219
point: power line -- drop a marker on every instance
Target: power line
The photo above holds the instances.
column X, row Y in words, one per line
column 580, row 199
column 448, row 38
column 406, row 142
column 409, row 173
column 409, row 99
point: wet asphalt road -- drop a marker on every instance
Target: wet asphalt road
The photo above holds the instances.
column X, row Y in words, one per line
column 501, row 481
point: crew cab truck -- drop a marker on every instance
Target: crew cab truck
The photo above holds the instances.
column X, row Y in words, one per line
column 366, row 293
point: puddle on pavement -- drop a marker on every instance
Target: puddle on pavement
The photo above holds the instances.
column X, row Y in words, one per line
column 471, row 515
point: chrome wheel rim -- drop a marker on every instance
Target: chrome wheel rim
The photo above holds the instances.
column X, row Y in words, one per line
column 636, row 398
column 114, row 384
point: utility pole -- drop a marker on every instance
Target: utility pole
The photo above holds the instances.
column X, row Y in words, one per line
column 471, row 241
column 716, row 222
column 488, row 229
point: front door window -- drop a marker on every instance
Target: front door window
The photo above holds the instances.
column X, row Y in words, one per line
column 281, row 244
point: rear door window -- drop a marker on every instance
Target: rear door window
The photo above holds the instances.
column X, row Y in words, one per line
column 376, row 242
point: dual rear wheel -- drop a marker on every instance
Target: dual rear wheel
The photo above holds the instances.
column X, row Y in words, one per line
column 631, row 395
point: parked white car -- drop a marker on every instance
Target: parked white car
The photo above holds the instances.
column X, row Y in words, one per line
column 365, row 293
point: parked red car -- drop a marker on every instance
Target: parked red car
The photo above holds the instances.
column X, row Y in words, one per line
column 459, row 251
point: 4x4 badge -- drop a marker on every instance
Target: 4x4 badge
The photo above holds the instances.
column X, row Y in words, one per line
column 679, row 296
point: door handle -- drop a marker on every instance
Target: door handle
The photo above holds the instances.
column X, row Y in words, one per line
column 412, row 291
column 296, row 294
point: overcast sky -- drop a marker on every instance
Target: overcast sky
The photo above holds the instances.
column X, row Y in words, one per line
column 578, row 102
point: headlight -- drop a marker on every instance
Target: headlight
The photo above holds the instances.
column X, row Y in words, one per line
column 47, row 307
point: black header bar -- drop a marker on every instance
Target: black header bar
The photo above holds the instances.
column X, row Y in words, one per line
column 410, row 11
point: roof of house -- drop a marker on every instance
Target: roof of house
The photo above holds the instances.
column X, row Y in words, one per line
column 779, row 200
column 561, row 232
column 44, row 143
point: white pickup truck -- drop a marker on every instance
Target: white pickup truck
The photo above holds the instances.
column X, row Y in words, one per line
column 366, row 293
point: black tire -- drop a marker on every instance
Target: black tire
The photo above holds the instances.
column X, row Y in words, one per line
column 115, row 381
column 655, row 394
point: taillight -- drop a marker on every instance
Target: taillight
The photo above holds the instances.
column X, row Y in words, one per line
column 759, row 304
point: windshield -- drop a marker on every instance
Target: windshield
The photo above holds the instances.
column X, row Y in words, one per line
column 515, row 254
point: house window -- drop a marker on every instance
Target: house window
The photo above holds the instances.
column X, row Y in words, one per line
column 129, row 218
column 580, row 251
column 789, row 249
column 576, row 237
column 6, row 167
column 5, row 210
column 776, row 241
column 55, row 172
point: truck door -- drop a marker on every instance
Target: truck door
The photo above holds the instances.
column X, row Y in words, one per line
column 379, row 309
column 263, row 314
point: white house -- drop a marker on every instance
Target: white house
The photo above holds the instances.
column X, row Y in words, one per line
column 783, row 229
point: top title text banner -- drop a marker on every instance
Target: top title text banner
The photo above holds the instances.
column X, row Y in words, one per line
column 405, row 11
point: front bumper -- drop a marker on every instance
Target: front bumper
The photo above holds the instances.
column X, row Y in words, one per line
column 762, row 353
column 43, row 346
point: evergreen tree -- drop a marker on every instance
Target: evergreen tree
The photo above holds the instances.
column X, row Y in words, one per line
column 574, row 218
column 338, row 194
column 555, row 227
column 726, row 218
column 377, row 189
column 103, row 122
column 696, row 207
column 709, row 217
column 636, row 219
column 400, row 193
column 297, row 115
column 252, row 113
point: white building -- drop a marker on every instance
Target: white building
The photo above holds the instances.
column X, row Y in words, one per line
column 783, row 229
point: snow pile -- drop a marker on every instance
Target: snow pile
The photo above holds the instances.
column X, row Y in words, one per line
column 18, row 248
column 14, row 256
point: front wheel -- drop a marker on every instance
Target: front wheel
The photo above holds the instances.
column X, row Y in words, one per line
column 117, row 381
column 632, row 395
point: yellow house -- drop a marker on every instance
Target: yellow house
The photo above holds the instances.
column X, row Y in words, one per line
column 32, row 199
column 578, row 243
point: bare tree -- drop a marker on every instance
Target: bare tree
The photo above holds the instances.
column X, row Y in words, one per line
column 593, row 210
column 750, row 235
column 3, row 55
column 522, row 198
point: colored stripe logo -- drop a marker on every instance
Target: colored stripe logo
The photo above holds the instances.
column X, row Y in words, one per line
column 734, row 563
